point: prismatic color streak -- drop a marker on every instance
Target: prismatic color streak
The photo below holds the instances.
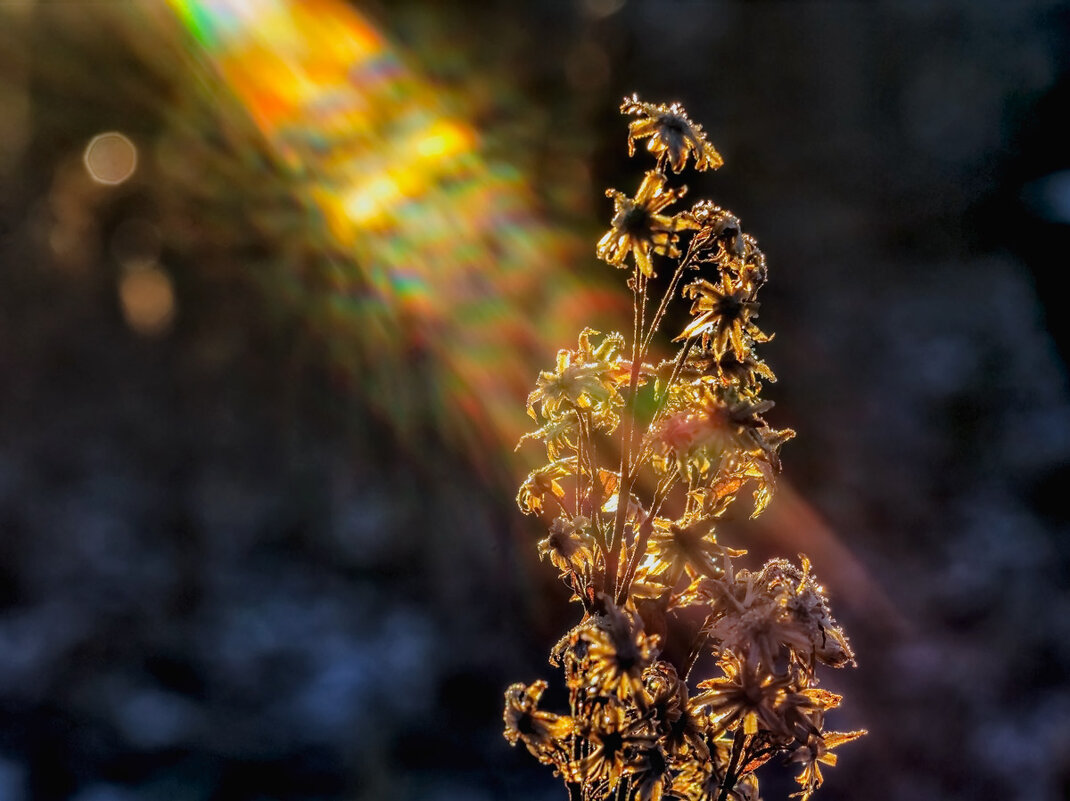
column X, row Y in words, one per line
column 438, row 253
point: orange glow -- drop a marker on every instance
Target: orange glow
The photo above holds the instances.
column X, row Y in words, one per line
column 147, row 298
column 441, row 250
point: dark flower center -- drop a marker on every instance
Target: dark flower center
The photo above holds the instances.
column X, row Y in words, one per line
column 526, row 724
column 656, row 761
column 675, row 132
column 730, row 307
column 636, row 221
column 688, row 542
column 673, row 125
column 627, row 658
column 562, row 543
column 678, row 729
column 612, row 743
column 729, row 364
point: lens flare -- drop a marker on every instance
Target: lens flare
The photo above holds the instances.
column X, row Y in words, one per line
column 445, row 254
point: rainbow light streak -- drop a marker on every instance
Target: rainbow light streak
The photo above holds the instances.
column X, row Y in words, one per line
column 439, row 253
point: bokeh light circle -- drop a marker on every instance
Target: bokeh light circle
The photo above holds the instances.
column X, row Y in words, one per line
column 147, row 299
column 110, row 158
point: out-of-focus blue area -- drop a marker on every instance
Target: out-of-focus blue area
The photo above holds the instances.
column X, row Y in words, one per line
column 222, row 577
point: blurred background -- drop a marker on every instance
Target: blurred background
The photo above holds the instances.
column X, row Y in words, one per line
column 275, row 278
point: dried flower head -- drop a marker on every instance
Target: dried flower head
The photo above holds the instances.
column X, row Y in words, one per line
column 618, row 651
column 540, row 731
column 585, row 380
column 723, row 315
column 639, row 228
column 815, row 752
column 649, row 773
column 672, row 134
column 613, row 738
column 679, row 548
column 568, row 545
column 746, row 696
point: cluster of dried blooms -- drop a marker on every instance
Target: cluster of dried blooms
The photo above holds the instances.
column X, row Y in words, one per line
column 634, row 534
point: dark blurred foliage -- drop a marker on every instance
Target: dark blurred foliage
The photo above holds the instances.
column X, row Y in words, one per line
column 223, row 578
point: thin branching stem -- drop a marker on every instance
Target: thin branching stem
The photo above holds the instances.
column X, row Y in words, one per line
column 560, row 505
column 677, row 368
column 627, row 425
column 730, row 776
column 666, row 299
column 681, row 358
column 589, row 465
column 583, row 457
column 661, row 494
column 696, row 648
column 645, row 530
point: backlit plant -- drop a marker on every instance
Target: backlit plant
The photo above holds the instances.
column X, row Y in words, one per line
column 686, row 672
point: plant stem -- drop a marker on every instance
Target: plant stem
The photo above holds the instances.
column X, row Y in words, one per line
column 664, row 304
column 677, row 368
column 733, row 763
column 586, row 459
column 645, row 531
column 627, row 426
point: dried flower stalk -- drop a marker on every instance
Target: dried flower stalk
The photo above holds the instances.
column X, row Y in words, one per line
column 635, row 538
